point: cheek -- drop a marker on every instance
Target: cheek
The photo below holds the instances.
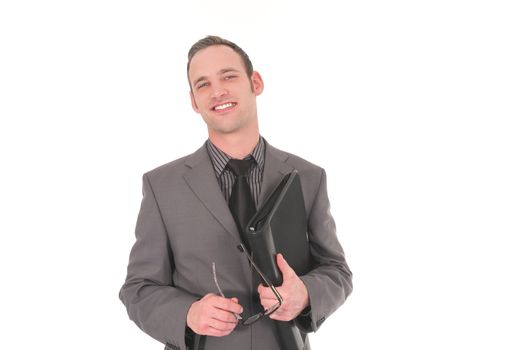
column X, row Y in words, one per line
column 199, row 102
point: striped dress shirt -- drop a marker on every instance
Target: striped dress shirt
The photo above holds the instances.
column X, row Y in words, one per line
column 226, row 177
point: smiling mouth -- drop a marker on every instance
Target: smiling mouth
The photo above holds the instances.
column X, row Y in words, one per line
column 224, row 106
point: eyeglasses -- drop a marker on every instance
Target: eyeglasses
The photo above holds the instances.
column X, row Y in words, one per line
column 254, row 318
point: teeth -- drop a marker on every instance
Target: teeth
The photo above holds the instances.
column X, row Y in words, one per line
column 223, row 106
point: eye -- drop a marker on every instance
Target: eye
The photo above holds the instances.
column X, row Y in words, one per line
column 229, row 77
column 201, row 85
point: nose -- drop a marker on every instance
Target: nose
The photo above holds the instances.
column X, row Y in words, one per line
column 219, row 91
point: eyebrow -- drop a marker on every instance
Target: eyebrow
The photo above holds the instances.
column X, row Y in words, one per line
column 227, row 70
column 222, row 71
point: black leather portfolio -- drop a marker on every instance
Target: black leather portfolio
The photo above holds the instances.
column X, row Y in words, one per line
column 280, row 226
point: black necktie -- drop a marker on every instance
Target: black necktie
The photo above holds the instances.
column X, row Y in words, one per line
column 242, row 208
column 241, row 202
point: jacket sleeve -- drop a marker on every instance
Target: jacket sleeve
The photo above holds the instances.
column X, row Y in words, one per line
column 330, row 282
column 153, row 302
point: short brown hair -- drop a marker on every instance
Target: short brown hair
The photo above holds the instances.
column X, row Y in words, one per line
column 212, row 40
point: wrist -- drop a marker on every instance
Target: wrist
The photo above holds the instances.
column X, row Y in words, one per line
column 306, row 296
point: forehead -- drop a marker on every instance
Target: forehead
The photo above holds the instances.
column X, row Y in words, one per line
column 213, row 59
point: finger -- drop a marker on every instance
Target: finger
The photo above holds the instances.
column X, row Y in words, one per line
column 265, row 292
column 228, row 305
column 286, row 270
column 280, row 316
column 267, row 302
column 284, row 314
column 223, row 316
column 237, row 314
column 208, row 296
column 221, row 325
column 217, row 332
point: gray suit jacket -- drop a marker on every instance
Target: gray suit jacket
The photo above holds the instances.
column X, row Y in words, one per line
column 184, row 225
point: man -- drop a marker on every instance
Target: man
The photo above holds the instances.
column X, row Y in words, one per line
column 185, row 228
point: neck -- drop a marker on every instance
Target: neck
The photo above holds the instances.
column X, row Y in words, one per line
column 236, row 146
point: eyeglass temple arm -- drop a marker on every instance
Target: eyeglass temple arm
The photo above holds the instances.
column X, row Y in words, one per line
column 242, row 248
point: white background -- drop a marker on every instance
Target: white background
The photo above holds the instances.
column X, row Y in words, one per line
column 414, row 108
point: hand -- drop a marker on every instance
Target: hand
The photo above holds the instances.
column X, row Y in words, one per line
column 213, row 315
column 293, row 291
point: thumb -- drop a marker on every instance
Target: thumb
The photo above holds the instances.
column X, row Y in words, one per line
column 286, row 270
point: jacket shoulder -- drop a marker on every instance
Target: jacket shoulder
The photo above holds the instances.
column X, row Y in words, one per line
column 177, row 167
column 171, row 167
column 296, row 162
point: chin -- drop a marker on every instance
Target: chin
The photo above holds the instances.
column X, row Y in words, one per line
column 225, row 129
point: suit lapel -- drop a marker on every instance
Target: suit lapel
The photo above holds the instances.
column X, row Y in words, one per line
column 201, row 179
column 275, row 167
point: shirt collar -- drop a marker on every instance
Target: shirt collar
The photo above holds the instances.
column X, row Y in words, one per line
column 219, row 159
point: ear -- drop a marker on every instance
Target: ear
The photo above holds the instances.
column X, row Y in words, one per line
column 257, row 83
column 193, row 103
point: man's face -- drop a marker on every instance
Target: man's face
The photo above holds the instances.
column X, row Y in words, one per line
column 222, row 93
